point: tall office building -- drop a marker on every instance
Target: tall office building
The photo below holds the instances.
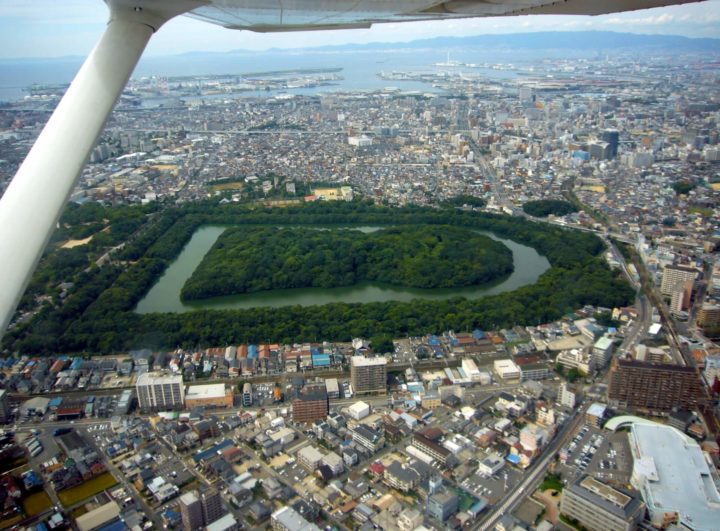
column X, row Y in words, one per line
column 681, row 297
column 247, row 394
column 198, row 510
column 160, row 392
column 654, row 387
column 525, row 94
column 709, row 316
column 4, row 407
column 596, row 505
column 675, row 277
column 442, row 505
column 612, row 137
column 566, row 396
column 599, row 150
column 311, row 405
column 368, row 375
column 191, row 511
column 212, row 507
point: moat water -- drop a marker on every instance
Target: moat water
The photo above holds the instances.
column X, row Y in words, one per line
column 164, row 296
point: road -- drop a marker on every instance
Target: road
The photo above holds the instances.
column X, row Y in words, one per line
column 425, row 365
column 534, row 475
column 490, row 176
column 635, row 333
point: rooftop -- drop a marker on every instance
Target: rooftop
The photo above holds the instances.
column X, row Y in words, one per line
column 189, row 497
column 359, row 406
column 361, row 361
column 158, row 378
column 403, row 474
column 312, row 395
column 597, row 410
column 671, row 471
column 606, row 492
column 686, row 269
column 310, row 454
column 604, row 342
column 196, row 392
column 290, row 519
column 609, row 499
column 99, row 516
column 331, row 385
column 221, row 524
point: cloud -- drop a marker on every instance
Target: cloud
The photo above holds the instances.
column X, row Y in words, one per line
column 664, row 18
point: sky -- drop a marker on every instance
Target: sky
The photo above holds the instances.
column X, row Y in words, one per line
column 52, row 28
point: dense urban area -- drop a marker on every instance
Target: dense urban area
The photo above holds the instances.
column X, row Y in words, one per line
column 579, row 392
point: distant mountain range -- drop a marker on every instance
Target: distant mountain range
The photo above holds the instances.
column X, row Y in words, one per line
column 600, row 41
column 545, row 40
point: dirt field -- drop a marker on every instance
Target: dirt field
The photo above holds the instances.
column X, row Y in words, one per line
column 227, row 186
column 36, row 503
column 77, row 494
column 75, row 243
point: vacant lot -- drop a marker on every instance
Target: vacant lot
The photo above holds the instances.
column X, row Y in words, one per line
column 9, row 522
column 227, row 186
column 77, row 494
column 36, row 503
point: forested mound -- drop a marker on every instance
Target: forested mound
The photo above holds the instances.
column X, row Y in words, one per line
column 246, row 259
column 544, row 207
column 98, row 317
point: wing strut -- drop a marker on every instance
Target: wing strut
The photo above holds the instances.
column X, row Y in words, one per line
column 35, row 198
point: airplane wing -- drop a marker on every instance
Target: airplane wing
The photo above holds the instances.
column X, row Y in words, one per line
column 34, row 200
column 302, row 15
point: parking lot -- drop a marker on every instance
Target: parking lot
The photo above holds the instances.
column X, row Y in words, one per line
column 603, row 454
column 494, row 487
column 263, row 395
column 403, row 352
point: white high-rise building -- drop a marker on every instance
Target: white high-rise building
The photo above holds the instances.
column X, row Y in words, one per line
column 157, row 391
column 566, row 397
column 368, row 375
column 674, row 278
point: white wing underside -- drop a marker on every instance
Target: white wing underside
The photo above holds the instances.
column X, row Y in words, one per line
column 291, row 15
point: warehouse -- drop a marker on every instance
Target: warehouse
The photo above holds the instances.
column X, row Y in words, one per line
column 211, row 395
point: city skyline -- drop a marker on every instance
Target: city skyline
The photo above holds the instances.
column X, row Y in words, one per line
column 45, row 29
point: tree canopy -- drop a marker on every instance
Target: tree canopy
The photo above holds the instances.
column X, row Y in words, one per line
column 248, row 259
column 98, row 316
column 544, row 207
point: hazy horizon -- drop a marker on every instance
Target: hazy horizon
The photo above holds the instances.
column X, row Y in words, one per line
column 45, row 29
column 405, row 45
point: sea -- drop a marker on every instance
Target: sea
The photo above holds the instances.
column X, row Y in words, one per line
column 360, row 68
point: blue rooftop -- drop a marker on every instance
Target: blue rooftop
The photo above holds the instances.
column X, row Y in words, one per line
column 584, row 155
column 114, row 526
column 212, row 450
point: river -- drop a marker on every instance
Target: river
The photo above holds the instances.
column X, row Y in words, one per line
column 164, row 296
